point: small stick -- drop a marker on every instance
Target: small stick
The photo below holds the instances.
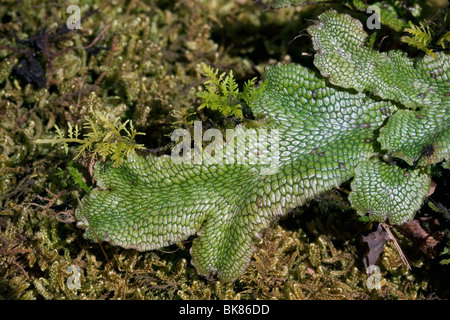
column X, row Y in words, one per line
column 50, row 201
column 397, row 246
column 97, row 38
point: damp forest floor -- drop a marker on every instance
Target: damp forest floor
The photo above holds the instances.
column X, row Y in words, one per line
column 142, row 60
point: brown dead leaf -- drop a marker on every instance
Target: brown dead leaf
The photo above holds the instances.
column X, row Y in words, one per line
column 376, row 241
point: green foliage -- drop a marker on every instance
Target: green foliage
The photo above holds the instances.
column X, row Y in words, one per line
column 418, row 134
column 105, row 138
column 372, row 39
column 442, row 40
column 326, row 137
column 421, row 37
column 388, row 192
column 222, row 93
column 419, row 137
column 286, row 3
column 317, row 154
column 75, row 175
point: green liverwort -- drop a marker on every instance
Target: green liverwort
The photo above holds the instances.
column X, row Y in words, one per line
column 327, row 134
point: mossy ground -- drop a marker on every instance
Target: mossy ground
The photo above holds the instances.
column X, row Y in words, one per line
column 143, row 62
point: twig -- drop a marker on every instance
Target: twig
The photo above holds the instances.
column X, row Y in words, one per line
column 50, row 201
column 397, row 246
column 97, row 37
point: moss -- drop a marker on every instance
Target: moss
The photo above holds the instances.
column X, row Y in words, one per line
column 143, row 62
